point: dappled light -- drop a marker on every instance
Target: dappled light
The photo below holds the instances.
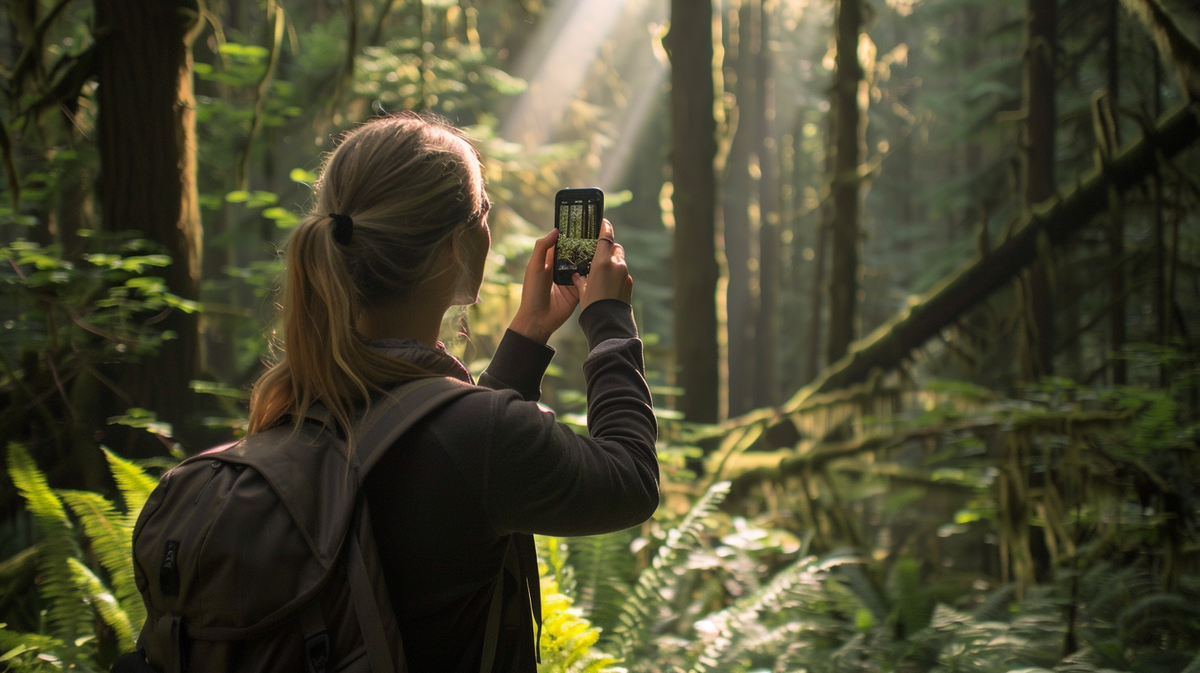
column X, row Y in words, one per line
column 915, row 295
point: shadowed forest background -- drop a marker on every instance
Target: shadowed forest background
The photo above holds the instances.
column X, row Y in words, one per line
column 918, row 282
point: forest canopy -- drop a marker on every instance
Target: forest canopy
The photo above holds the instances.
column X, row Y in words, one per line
column 916, row 279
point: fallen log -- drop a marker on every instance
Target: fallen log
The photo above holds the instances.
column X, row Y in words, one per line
column 1056, row 220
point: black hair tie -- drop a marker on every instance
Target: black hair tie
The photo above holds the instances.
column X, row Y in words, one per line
column 343, row 228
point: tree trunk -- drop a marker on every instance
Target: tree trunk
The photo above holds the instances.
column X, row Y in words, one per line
column 843, row 274
column 1037, row 342
column 820, row 282
column 694, row 256
column 1116, row 228
column 770, row 243
column 735, row 204
column 146, row 128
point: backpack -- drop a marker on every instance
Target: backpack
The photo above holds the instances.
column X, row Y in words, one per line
column 259, row 556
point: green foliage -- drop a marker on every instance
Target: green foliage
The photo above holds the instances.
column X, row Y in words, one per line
column 85, row 570
column 567, row 638
column 649, row 594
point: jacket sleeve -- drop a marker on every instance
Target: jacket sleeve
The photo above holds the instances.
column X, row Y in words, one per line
column 518, row 364
column 544, row 478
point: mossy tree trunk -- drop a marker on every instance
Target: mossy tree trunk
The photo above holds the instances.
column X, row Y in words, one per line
column 1037, row 292
column 770, row 243
column 740, row 302
column 147, row 182
column 844, row 254
column 694, row 255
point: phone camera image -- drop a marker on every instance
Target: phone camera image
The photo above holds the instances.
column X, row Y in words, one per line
column 578, row 220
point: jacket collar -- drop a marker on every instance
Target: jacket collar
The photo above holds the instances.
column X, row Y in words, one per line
column 434, row 359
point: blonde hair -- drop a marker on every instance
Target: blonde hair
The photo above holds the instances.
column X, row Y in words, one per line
column 408, row 182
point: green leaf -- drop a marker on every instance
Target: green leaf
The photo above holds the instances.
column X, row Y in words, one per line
column 135, row 485
column 67, row 615
column 262, row 198
column 111, row 536
column 284, row 218
column 301, row 175
column 142, row 419
column 104, row 603
column 245, row 51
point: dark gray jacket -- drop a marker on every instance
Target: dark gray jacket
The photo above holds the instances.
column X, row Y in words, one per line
column 493, row 468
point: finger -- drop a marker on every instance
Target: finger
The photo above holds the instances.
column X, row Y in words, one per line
column 606, row 233
column 580, row 283
column 569, row 293
column 548, row 259
column 542, row 248
column 541, row 245
column 618, row 254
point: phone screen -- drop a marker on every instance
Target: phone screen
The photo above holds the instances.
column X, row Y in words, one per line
column 577, row 216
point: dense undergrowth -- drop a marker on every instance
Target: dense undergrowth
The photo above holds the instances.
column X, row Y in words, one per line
column 1051, row 533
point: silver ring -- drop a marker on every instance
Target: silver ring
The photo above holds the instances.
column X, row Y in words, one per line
column 605, row 238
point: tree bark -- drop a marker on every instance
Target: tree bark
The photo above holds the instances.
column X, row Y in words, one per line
column 735, row 206
column 824, row 222
column 147, row 182
column 1037, row 293
column 694, row 256
column 843, row 274
column 770, row 243
column 889, row 345
column 1116, row 228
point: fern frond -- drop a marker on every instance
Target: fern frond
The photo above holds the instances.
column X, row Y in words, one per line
column 1084, row 661
column 105, row 604
column 567, row 639
column 554, row 553
column 68, row 616
column 19, row 651
column 1033, row 638
column 604, row 571
column 862, row 587
column 111, row 536
column 135, row 485
column 996, row 604
column 635, row 621
column 1157, row 612
column 31, row 483
column 742, row 626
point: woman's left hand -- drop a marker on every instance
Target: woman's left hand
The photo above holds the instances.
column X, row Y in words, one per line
column 545, row 305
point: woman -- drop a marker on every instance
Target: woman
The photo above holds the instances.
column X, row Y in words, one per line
column 399, row 234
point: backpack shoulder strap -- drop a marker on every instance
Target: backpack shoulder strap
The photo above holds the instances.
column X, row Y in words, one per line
column 392, row 415
column 396, row 412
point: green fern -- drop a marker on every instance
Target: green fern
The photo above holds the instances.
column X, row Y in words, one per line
column 798, row 596
column 555, row 554
column 28, row 651
column 135, row 485
column 68, row 616
column 111, row 536
column 603, row 572
column 640, row 610
column 567, row 639
column 105, row 604
column 77, row 595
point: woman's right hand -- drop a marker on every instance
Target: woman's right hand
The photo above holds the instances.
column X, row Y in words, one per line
column 609, row 277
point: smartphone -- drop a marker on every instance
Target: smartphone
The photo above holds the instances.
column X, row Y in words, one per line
column 577, row 216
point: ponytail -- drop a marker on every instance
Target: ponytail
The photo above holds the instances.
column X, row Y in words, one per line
column 407, row 183
column 327, row 360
